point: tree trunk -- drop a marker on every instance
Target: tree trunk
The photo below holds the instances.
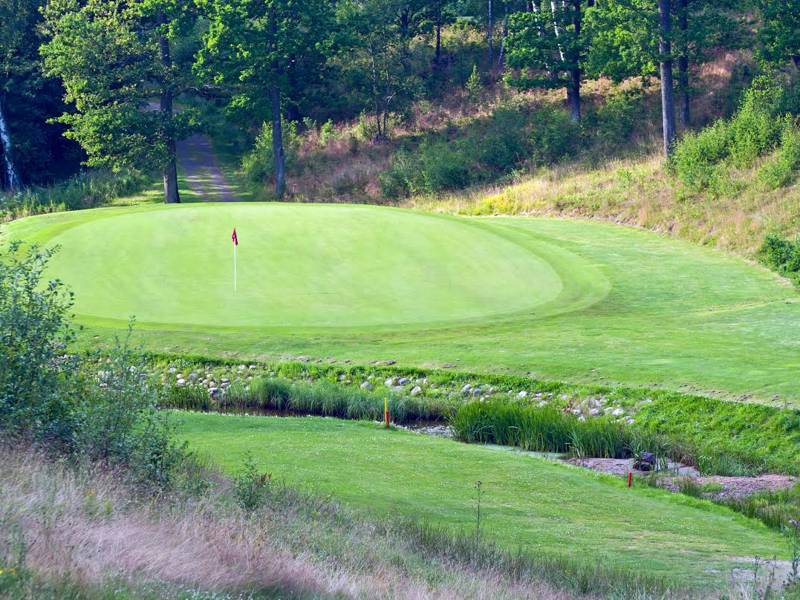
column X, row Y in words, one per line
column 667, row 99
column 277, row 143
column 683, row 64
column 170, row 175
column 574, row 95
column 575, row 74
column 438, row 56
column 490, row 33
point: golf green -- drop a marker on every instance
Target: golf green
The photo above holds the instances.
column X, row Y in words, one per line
column 318, row 265
column 557, row 299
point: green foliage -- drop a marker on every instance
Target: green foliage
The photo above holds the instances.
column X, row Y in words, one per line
column 251, row 486
column 110, row 60
column 781, row 169
column 705, row 160
column 782, row 255
column 541, row 429
column 325, row 398
column 34, row 333
column 553, row 136
column 474, row 84
column 779, row 34
column 258, row 164
column 486, row 151
column 86, row 190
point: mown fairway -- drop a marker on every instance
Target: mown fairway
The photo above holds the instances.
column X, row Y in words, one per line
column 527, row 503
column 567, row 300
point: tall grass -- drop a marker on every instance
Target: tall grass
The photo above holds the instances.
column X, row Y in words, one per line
column 322, row 398
column 545, row 429
column 85, row 190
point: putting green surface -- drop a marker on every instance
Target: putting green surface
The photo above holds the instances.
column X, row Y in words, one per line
column 306, row 265
column 557, row 299
column 527, row 503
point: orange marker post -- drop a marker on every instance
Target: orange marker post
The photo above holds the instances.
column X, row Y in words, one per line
column 386, row 412
column 630, row 479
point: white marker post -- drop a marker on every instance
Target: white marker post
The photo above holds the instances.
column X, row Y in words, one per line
column 235, row 240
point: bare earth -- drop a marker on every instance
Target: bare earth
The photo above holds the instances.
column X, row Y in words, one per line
column 198, row 164
column 732, row 487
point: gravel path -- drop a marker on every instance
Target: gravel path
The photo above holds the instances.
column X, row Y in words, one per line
column 199, row 166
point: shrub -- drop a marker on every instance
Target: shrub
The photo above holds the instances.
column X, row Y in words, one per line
column 34, row 333
column 695, row 158
column 553, row 136
column 781, row 255
column 781, row 169
column 259, row 163
column 250, row 486
column 703, row 160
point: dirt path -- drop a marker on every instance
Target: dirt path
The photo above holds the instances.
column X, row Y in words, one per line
column 198, row 164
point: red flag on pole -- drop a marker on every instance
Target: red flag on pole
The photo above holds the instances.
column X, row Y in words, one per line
column 234, row 237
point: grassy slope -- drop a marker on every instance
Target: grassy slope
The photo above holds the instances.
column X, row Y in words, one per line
column 527, row 503
column 638, row 309
column 638, row 191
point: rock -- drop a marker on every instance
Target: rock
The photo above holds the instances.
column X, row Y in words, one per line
column 522, row 395
column 181, row 382
column 617, row 412
column 225, row 380
column 465, row 390
column 476, row 391
column 367, row 386
column 241, row 367
column 252, row 367
column 398, row 389
column 192, row 376
column 171, row 370
column 542, row 403
column 389, row 382
column 403, row 381
column 594, row 412
column 213, row 392
column 416, row 390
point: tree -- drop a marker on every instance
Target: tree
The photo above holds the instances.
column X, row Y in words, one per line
column 253, row 46
column 115, row 60
column 665, row 67
column 546, row 47
column 779, row 35
column 376, row 56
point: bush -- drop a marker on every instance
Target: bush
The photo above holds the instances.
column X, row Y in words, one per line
column 782, row 168
column 553, row 136
column 703, row 160
column 250, row 486
column 782, row 255
column 34, row 333
column 259, row 163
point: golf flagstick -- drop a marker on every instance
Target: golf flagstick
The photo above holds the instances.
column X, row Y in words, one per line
column 235, row 240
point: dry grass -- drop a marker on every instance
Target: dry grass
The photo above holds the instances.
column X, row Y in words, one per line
column 638, row 192
column 88, row 527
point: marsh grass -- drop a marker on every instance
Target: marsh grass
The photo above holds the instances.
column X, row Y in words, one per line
column 547, row 429
column 322, row 398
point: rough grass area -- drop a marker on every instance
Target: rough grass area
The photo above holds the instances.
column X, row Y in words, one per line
column 527, row 503
column 81, row 535
column 638, row 191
